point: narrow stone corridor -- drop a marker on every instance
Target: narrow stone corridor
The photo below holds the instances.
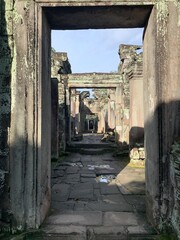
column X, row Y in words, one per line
column 97, row 197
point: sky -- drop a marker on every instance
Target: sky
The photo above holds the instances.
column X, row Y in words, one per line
column 94, row 50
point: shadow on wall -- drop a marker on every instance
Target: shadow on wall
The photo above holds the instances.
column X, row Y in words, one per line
column 5, row 105
column 136, row 136
column 162, row 130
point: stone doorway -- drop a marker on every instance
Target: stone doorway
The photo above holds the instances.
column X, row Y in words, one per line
column 30, row 142
column 59, row 192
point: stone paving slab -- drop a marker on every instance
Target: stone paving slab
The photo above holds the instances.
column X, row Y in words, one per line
column 60, row 192
column 116, row 202
column 60, row 167
column 88, row 180
column 82, row 191
column 88, row 175
column 82, row 194
column 80, row 205
column 91, row 202
column 137, row 201
column 108, row 230
column 85, row 169
column 72, row 170
column 66, row 229
column 62, row 206
column 140, row 230
column 58, row 173
column 71, row 178
column 105, row 171
column 81, row 218
column 108, row 159
column 108, row 189
column 57, row 236
column 105, row 207
column 97, row 195
column 109, row 233
column 120, row 219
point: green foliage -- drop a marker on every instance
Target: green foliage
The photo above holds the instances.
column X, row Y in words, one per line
column 168, row 236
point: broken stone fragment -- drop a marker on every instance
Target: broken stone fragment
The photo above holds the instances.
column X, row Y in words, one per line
column 134, row 153
column 142, row 154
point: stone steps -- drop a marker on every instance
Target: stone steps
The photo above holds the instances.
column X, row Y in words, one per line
column 91, row 149
column 94, row 151
column 91, row 145
column 88, row 235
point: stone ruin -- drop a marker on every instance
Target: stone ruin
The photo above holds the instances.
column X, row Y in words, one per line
column 25, row 109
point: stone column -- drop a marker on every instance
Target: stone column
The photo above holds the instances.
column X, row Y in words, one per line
column 54, row 119
column 73, row 111
column 118, row 113
column 111, row 108
column 61, row 115
column 136, row 134
column 77, row 114
column 30, row 134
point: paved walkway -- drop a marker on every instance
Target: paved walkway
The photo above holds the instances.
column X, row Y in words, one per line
column 97, row 197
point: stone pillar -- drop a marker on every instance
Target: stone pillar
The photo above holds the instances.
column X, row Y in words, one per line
column 136, row 134
column 60, row 67
column 54, row 119
column 67, row 114
column 61, row 117
column 118, row 113
column 30, row 134
column 73, row 111
column 77, row 114
column 111, row 109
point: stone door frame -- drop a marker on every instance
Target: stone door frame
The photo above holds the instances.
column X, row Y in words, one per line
column 36, row 199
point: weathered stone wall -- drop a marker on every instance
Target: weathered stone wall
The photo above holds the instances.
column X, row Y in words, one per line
column 60, row 66
column 174, row 188
column 6, row 55
column 24, row 141
column 161, row 105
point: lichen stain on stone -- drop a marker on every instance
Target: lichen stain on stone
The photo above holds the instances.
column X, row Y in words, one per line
column 162, row 17
column 13, row 83
column 17, row 18
column 175, row 179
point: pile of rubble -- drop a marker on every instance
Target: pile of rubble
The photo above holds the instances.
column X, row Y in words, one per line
column 137, row 156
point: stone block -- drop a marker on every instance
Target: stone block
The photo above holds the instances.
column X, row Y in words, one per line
column 108, row 189
column 139, row 230
column 70, row 229
column 72, row 170
column 120, row 219
column 60, row 192
column 88, row 175
column 88, row 180
column 76, row 218
column 71, row 178
column 106, row 230
column 134, row 153
column 62, row 206
column 58, row 173
column 82, row 194
column 141, row 154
